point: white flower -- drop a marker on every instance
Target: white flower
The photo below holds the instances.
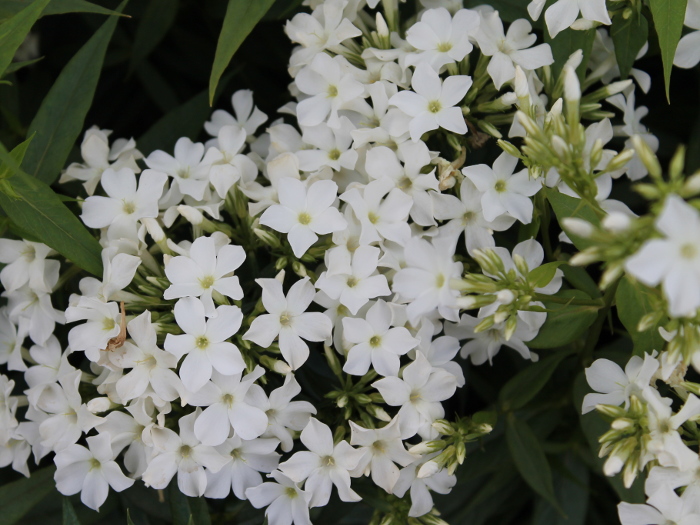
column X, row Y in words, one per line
column 510, row 49
column 204, row 342
column 382, row 448
column 502, row 191
column 614, row 385
column 34, row 307
column 330, row 87
column 441, row 38
column 333, row 147
column 323, row 465
column 248, row 117
column 381, row 219
column 360, row 284
column 98, row 156
column 421, row 500
column 183, row 455
column 434, row 104
column 376, row 342
column 664, row 506
column 51, row 362
column 11, row 340
column 673, row 260
column 425, row 281
column 286, row 503
column 304, row 213
column 190, row 177
column 563, row 14
column 89, row 471
column 228, row 165
column 688, row 50
column 26, row 263
column 418, row 393
column 288, row 319
column 125, row 204
column 227, row 407
column 249, row 458
column 205, row 270
column 103, row 322
column 150, row 365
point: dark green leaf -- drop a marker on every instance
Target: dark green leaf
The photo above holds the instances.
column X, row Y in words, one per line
column 509, row 10
column 18, row 498
column 565, row 206
column 34, row 207
column 565, row 323
column 69, row 516
column 179, row 505
column 14, row 31
column 61, row 117
column 567, row 42
column 16, row 66
column 9, row 8
column 241, row 17
column 668, row 21
column 153, row 26
column 486, row 417
column 579, row 278
column 629, row 36
column 571, row 489
column 200, row 511
column 542, row 275
column 632, row 301
column 129, row 521
column 529, row 458
column 525, row 385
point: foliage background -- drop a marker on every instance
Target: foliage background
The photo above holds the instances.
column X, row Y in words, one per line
column 154, row 87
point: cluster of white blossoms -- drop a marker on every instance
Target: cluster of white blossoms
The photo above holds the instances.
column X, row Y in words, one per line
column 352, row 240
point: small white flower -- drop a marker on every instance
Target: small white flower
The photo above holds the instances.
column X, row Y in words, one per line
column 190, row 177
column 286, row 503
column 563, row 14
column 288, row 319
column 248, row 117
column 26, row 263
column 664, row 506
column 304, row 213
column 434, row 104
column 90, row 471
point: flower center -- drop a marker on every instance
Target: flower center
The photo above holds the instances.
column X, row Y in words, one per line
column 236, row 453
column 29, row 253
column 184, row 173
column 285, row 319
column 379, row 447
column 185, row 451
column 440, row 280
column 373, row 217
column 415, row 396
column 129, row 207
column 689, row 251
column 375, row 341
column 334, row 154
column 227, row 399
column 108, row 324
column 207, row 282
column 468, row 217
column 304, row 218
column 444, row 47
column 328, row 461
column 291, row 492
column 405, row 183
column 95, row 463
column 202, row 342
column 352, row 281
column 500, row 186
column 434, row 106
column 332, row 91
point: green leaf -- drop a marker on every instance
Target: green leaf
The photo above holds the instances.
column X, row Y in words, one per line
column 527, row 383
column 629, row 36
column 69, row 515
column 565, row 206
column 16, row 66
column 61, row 117
column 129, row 521
column 19, row 497
column 241, row 17
column 579, row 279
column 571, row 488
column 509, row 10
column 200, row 511
column 187, row 511
column 542, row 275
column 153, row 26
column 668, row 18
column 633, row 303
column 14, row 31
column 565, row 323
column 566, row 43
column 33, row 206
column 9, row 8
column 529, row 458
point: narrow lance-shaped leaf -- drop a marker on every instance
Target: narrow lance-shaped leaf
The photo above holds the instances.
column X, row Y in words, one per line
column 35, row 208
column 15, row 30
column 18, row 498
column 241, row 17
column 9, row 8
column 61, row 117
column 629, row 36
column 153, row 26
column 668, row 20
column 69, row 515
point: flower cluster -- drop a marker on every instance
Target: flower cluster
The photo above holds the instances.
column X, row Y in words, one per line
column 347, row 242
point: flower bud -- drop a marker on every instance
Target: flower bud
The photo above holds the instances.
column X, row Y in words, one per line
column 382, row 27
column 509, row 148
column 577, row 226
column 427, row 447
column 620, row 160
column 99, row 405
column 470, row 302
column 647, row 156
column 616, row 222
column 505, row 296
column 191, row 215
column 429, row 468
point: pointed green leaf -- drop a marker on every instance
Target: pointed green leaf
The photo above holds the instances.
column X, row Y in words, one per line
column 61, row 117
column 16, row 66
column 152, row 28
column 9, row 8
column 241, row 17
column 14, row 31
column 69, row 515
column 668, row 20
column 542, row 275
column 527, row 383
column 34, row 207
column 629, row 36
column 565, row 206
column 129, row 521
column 18, row 498
column 529, row 458
column 565, row 323
column 632, row 301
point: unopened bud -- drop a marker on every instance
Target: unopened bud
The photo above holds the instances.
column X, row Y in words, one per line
column 471, row 302
column 382, row 27
column 616, row 222
column 505, row 296
column 584, row 258
column 427, row 447
column 572, row 86
column 299, row 269
column 677, row 165
column 577, row 226
column 267, row 237
column 521, row 264
column 509, row 148
column 99, row 405
column 561, row 148
column 622, row 423
column 342, row 401
column 443, row 427
column 511, row 326
column 191, row 215
column 378, row 412
column 522, row 88
column 647, row 156
column 429, row 468
column 526, row 122
column 154, row 230
column 620, row 160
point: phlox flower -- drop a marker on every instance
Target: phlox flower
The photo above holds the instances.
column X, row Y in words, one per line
column 563, row 14
column 190, row 177
column 421, row 500
column 26, row 263
column 286, row 503
column 248, row 117
column 664, row 506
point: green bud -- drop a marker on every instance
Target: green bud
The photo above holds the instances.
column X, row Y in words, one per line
column 647, row 156
column 509, row 148
column 677, row 166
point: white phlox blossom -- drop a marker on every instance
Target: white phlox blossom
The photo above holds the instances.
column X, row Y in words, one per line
column 688, row 50
column 420, row 488
column 247, row 118
column 563, row 14
column 190, row 176
column 285, row 502
column 26, row 263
